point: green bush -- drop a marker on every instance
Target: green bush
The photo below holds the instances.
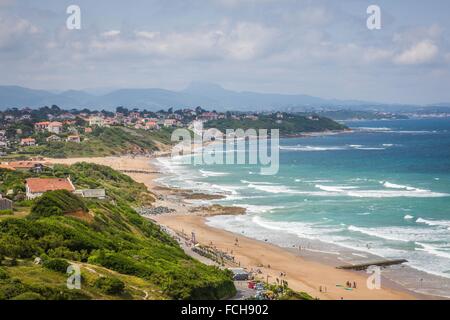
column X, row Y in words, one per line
column 108, row 285
column 56, row 203
column 118, row 239
column 59, row 265
column 28, row 296
column 6, row 212
column 3, row 274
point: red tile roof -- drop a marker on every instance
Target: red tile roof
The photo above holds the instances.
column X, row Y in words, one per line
column 40, row 185
column 6, row 166
column 24, row 164
column 42, row 124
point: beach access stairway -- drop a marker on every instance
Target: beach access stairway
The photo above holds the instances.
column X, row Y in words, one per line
column 364, row 266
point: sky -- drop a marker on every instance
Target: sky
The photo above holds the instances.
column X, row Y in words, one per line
column 321, row 48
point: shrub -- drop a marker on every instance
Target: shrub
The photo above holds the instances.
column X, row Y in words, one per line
column 110, row 285
column 6, row 212
column 3, row 274
column 56, row 203
column 28, row 296
column 59, row 265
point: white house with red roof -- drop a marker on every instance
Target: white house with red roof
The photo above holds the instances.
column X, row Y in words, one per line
column 36, row 187
column 55, row 127
column 28, row 142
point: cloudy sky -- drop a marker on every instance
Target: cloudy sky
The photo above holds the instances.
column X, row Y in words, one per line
column 321, row 48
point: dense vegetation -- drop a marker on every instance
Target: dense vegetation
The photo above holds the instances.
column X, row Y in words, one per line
column 119, row 186
column 117, row 243
column 104, row 141
column 290, row 124
column 56, row 203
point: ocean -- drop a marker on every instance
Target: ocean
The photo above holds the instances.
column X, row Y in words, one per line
column 382, row 190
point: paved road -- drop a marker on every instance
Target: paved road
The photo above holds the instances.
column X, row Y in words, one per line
column 243, row 292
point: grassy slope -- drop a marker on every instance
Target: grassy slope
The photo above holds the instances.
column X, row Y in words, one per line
column 104, row 142
column 118, row 241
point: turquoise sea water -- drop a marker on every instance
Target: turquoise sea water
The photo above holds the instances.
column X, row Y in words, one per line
column 382, row 190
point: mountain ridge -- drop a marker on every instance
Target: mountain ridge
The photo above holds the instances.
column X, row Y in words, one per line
column 208, row 95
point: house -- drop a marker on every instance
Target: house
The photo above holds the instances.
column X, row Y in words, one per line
column 170, row 122
column 27, row 166
column 96, row 121
column 35, row 187
column 3, row 144
column 27, row 142
column 53, row 138
column 55, row 127
column 88, row 130
column 151, row 124
column 209, row 116
column 5, row 204
column 251, row 117
column 67, row 115
column 74, row 138
column 41, row 126
column 91, row 193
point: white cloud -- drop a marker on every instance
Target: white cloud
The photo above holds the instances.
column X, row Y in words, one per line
column 376, row 55
column 147, row 34
column 248, row 40
column 314, row 16
column 111, row 33
column 13, row 30
column 243, row 41
column 412, row 35
column 422, row 52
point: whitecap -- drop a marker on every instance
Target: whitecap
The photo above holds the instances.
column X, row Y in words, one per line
column 384, row 233
column 206, row 173
column 435, row 223
column 334, row 188
column 432, row 250
column 312, row 148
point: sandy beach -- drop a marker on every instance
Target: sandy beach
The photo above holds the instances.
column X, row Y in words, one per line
column 317, row 279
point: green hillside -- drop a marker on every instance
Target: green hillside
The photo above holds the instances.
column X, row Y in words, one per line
column 104, row 141
column 107, row 239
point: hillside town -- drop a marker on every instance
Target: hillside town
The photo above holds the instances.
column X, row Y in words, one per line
column 21, row 128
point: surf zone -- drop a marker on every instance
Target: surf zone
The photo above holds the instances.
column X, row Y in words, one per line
column 234, row 147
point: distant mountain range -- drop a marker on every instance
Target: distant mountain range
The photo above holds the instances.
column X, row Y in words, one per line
column 209, row 96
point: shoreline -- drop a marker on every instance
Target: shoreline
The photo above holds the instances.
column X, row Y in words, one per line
column 303, row 272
